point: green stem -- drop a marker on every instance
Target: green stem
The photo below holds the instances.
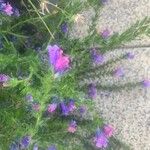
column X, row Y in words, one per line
column 28, row 20
column 11, row 33
column 42, row 19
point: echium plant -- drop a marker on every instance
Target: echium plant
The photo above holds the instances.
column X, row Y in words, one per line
column 44, row 105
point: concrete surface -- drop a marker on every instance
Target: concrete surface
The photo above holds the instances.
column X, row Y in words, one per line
column 128, row 110
column 118, row 15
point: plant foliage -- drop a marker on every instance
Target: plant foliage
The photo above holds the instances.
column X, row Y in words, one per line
column 23, row 57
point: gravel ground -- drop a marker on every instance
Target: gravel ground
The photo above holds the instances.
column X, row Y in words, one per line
column 118, row 15
column 129, row 109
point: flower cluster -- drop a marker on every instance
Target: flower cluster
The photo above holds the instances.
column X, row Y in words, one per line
column 25, row 142
column 64, row 107
column 92, row 91
column 129, row 55
column 22, row 143
column 105, row 33
column 6, row 8
column 118, row 72
column 67, row 108
column 146, row 83
column 52, row 107
column 4, row 79
column 58, row 61
column 64, row 27
column 52, row 147
column 72, row 126
column 97, row 57
column 32, row 104
column 102, row 136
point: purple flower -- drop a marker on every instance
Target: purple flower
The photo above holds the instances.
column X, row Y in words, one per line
column 64, row 109
column 64, row 27
column 14, row 146
column 16, row 12
column 72, row 126
column 105, row 33
column 98, row 132
column 58, row 60
column 71, row 106
column 52, row 147
column 129, row 55
column 1, row 5
column 146, row 83
column 25, row 142
column 104, row 1
column 29, row 98
column 3, row 78
column 82, row 109
column 108, row 130
column 92, row 91
column 119, row 72
column 97, row 57
column 52, row 107
column 35, row 147
column 54, row 52
column 100, row 139
column 7, row 9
